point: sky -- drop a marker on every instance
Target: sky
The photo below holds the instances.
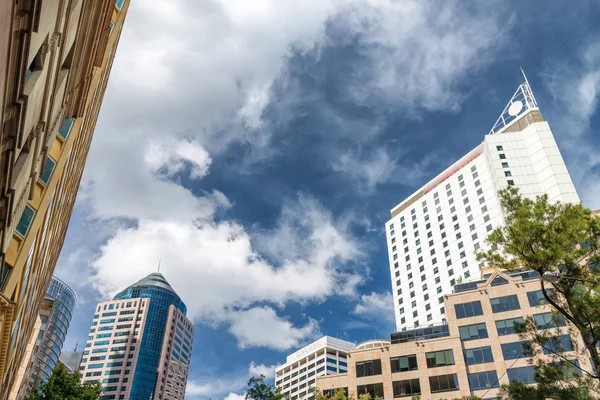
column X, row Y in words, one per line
column 256, row 149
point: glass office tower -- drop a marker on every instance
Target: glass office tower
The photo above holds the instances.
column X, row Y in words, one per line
column 53, row 332
column 154, row 338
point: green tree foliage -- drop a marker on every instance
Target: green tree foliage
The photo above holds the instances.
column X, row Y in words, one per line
column 259, row 389
column 62, row 386
column 553, row 238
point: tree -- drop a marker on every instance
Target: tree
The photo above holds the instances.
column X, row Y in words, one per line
column 258, row 389
column 559, row 239
column 62, row 386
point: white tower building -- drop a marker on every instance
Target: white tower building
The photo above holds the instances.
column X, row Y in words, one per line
column 433, row 235
column 298, row 375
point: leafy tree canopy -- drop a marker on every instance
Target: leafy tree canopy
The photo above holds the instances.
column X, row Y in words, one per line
column 62, row 386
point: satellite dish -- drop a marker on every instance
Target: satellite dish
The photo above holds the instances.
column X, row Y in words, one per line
column 515, row 108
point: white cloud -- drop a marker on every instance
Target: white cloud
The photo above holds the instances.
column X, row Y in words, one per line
column 192, row 76
column 173, row 156
column 575, row 86
column 261, row 327
column 234, row 396
column 266, row 370
column 378, row 167
column 376, row 307
column 225, row 386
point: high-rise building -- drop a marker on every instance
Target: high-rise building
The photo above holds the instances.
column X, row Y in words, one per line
column 434, row 234
column 71, row 360
column 51, row 335
column 325, row 356
column 475, row 353
column 56, row 60
column 140, row 343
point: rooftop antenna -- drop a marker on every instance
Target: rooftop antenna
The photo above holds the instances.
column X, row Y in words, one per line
column 159, row 265
column 76, row 344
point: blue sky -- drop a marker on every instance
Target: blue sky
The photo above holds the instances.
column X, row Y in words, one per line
column 256, row 148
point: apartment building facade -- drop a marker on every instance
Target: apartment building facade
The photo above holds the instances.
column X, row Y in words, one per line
column 325, row 356
column 434, row 234
column 57, row 57
column 475, row 353
column 139, row 345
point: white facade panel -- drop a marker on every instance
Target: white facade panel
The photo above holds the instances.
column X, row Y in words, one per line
column 434, row 235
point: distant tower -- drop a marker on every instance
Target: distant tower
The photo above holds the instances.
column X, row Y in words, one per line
column 59, row 303
column 140, row 343
column 434, row 234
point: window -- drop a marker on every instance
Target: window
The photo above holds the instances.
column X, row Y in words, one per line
column 483, row 380
column 49, row 165
column 404, row 363
column 502, row 156
column 406, row 388
column 507, row 326
column 375, row 390
column 510, row 182
column 499, row 148
column 466, row 310
column 511, row 351
column 547, row 320
column 443, row 383
column 368, row 368
column 523, row 374
column 65, row 129
column 507, row 173
column 498, row 281
column 558, row 344
column 25, row 220
column 506, row 303
column 536, row 298
column 439, row 358
column 473, row 332
column 119, row 4
column 479, row 355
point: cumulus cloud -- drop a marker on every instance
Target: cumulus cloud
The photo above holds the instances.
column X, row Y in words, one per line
column 376, row 307
column 227, row 387
column 267, row 370
column 261, row 327
column 190, row 79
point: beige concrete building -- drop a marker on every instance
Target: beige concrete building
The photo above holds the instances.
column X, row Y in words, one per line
column 56, row 59
column 474, row 353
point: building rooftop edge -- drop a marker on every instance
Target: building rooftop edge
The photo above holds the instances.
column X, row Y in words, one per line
column 325, row 341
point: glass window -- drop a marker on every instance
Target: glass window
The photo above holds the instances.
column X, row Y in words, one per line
column 406, row 388
column 498, row 281
column 547, row 320
column 479, row 355
column 403, row 363
column 507, row 326
column 523, row 374
column 443, row 383
column 375, row 390
column 65, row 129
column 506, row 303
column 47, row 170
column 439, row 358
column 470, row 309
column 473, row 332
column 368, row 368
column 558, row 344
column 536, row 298
column 483, row 380
column 499, row 148
column 511, row 351
column 502, row 156
column 25, row 220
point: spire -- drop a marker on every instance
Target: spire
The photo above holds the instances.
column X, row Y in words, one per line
column 521, row 102
column 159, row 265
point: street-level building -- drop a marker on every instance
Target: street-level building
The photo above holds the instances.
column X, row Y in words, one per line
column 56, row 60
column 325, row 356
column 139, row 345
column 475, row 353
column 434, row 234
